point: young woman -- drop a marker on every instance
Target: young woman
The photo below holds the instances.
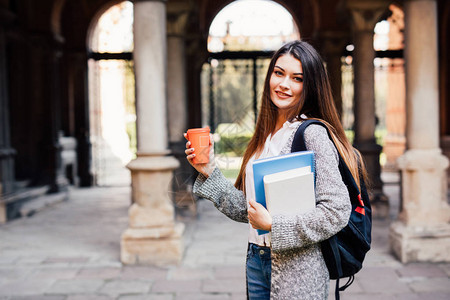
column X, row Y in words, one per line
column 287, row 263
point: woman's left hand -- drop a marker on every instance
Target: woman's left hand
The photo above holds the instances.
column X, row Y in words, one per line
column 259, row 217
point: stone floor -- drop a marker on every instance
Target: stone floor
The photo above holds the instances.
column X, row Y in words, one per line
column 70, row 251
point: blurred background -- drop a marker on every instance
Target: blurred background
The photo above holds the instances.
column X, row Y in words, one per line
column 97, row 94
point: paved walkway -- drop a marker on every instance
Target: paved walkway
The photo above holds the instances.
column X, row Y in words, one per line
column 71, row 252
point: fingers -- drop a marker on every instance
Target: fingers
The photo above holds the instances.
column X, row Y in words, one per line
column 189, row 151
column 251, row 211
column 189, row 154
column 255, row 205
column 252, row 217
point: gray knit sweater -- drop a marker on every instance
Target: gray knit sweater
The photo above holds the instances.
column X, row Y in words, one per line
column 298, row 268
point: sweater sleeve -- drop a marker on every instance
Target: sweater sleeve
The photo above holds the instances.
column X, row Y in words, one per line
column 226, row 198
column 333, row 206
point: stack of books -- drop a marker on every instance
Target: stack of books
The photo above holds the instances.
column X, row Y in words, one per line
column 285, row 184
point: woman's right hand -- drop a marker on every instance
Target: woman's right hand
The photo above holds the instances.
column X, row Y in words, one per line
column 207, row 168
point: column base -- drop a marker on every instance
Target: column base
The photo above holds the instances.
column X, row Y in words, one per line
column 153, row 236
column 420, row 244
column 424, row 188
column 160, row 246
column 61, row 184
column 422, row 232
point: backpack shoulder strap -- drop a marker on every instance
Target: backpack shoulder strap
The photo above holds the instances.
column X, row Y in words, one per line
column 298, row 144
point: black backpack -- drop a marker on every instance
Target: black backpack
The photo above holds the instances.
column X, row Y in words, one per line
column 345, row 251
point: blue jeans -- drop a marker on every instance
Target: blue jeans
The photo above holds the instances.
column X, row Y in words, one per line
column 258, row 272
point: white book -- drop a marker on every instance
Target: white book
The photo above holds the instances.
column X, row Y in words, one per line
column 290, row 192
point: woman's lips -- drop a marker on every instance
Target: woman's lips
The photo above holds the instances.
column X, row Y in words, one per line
column 282, row 95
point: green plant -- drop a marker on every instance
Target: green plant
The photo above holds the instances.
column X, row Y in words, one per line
column 232, row 138
column 236, row 144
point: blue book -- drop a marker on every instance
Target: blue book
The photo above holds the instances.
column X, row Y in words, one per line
column 276, row 164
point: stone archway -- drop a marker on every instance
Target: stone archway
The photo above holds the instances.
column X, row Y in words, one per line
column 111, row 95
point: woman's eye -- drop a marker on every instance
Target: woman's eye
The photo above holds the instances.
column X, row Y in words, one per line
column 279, row 73
column 298, row 79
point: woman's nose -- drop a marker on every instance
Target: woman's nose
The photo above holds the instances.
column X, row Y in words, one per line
column 285, row 83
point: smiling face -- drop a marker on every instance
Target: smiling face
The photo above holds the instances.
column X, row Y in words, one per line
column 286, row 82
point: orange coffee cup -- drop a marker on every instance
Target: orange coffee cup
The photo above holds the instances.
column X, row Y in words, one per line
column 199, row 138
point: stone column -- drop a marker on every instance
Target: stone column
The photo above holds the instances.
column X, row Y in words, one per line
column 197, row 54
column 332, row 45
column 422, row 232
column 176, row 87
column 153, row 236
column 176, row 96
column 6, row 151
column 365, row 16
column 178, row 107
column 77, row 84
column 58, row 178
column 45, row 67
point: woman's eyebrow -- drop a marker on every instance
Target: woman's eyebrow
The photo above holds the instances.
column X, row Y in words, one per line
column 285, row 71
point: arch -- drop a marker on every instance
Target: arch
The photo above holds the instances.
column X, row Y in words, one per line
column 209, row 9
column 55, row 18
column 251, row 25
column 78, row 19
column 96, row 16
column 111, row 95
column 43, row 16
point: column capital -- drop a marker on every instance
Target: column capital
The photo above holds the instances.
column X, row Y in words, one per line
column 176, row 23
column 332, row 41
column 366, row 13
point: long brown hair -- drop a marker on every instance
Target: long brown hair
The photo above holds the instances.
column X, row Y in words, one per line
column 316, row 102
